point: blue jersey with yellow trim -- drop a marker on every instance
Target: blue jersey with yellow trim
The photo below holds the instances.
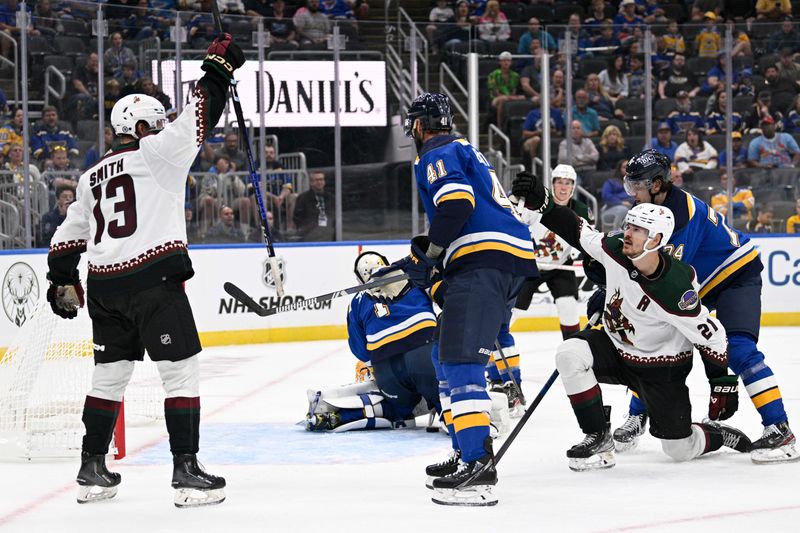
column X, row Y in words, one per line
column 450, row 168
column 703, row 239
column 376, row 330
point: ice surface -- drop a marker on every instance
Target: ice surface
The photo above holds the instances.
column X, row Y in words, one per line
column 281, row 478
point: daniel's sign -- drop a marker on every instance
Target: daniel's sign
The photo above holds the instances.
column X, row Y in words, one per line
column 299, row 93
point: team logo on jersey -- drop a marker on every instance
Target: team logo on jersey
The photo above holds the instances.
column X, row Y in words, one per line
column 20, row 293
column 615, row 321
column 549, row 247
column 689, row 300
column 269, row 275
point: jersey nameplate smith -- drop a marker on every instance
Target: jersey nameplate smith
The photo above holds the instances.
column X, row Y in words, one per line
column 105, row 172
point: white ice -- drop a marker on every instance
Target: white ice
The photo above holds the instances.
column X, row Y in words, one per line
column 281, row 478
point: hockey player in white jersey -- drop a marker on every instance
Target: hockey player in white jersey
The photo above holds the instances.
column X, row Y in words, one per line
column 652, row 319
column 129, row 219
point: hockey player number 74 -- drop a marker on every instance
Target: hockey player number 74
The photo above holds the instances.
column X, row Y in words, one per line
column 120, row 188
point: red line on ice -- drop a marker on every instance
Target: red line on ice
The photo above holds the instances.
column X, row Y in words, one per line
column 35, row 504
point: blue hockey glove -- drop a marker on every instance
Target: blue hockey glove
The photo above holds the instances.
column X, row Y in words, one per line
column 596, row 304
column 420, row 267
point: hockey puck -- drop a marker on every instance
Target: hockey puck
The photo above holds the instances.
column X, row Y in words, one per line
column 432, row 430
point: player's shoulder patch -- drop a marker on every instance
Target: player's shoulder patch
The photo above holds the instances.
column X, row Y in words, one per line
column 675, row 291
column 689, row 300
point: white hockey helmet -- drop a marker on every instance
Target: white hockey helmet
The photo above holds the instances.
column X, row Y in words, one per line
column 656, row 219
column 130, row 110
column 565, row 172
column 368, row 262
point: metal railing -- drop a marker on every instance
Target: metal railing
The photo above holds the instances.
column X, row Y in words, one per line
column 446, row 76
column 50, row 90
column 506, row 172
column 4, row 35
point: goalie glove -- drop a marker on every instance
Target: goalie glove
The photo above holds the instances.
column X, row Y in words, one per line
column 421, row 265
column 724, row 397
column 364, row 372
column 65, row 300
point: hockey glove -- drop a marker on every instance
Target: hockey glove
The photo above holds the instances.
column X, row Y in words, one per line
column 528, row 186
column 596, row 305
column 223, row 57
column 724, row 397
column 420, row 264
column 65, row 300
column 363, row 372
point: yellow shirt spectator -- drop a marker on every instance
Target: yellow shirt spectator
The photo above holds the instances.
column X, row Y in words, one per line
column 770, row 5
column 708, row 42
column 743, row 202
column 793, row 224
column 674, row 43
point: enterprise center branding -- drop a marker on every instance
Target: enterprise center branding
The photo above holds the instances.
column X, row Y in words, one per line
column 299, row 93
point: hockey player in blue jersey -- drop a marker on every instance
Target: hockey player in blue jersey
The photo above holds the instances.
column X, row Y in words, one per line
column 728, row 269
column 390, row 330
column 484, row 252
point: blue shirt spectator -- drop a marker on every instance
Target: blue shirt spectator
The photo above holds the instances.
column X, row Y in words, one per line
column 48, row 133
column 613, row 193
column 535, row 29
column 663, row 143
column 533, row 122
column 771, row 149
column 588, row 117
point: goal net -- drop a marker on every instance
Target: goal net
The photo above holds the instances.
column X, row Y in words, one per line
column 45, row 375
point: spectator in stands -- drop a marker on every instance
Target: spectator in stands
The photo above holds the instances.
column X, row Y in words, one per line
column 579, row 38
column 112, row 93
column 258, row 8
column 783, row 89
column 761, row 108
column 607, row 39
column 557, row 89
column 616, row 201
column 192, row 229
column 534, row 64
column 715, row 120
column 127, row 77
column 663, row 142
column 337, row 9
column 493, row 25
column 793, row 222
column 8, row 23
column 440, row 14
column 313, row 27
column 683, row 117
column 60, row 172
column 701, row 7
column 787, row 68
column 49, row 133
column 45, row 19
column 535, row 31
column 627, row 21
column 314, row 214
column 674, row 42
column 280, row 26
column 583, row 154
column 612, row 149
column 146, row 86
column 53, row 218
column 529, row 77
column 772, row 149
column 279, row 187
column 227, row 230
column 599, row 100
column 83, row 102
column 717, row 77
column 636, row 77
column 788, row 37
column 587, row 116
column 791, row 122
column 117, row 55
column 93, row 154
column 503, row 85
column 652, row 12
column 738, row 150
column 773, row 9
column 708, row 41
column 596, row 17
column 532, row 129
column 677, row 78
column 762, row 222
column 695, row 154
column 460, row 30
column 230, row 149
column 201, row 27
column 277, row 235
column 14, row 163
column 11, row 132
column 614, row 80
column 141, row 23
column 743, row 201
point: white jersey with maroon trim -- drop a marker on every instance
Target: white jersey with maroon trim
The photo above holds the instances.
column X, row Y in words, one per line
column 551, row 250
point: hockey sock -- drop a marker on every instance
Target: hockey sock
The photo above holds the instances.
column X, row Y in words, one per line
column 99, row 417
column 492, row 371
column 714, row 439
column 447, row 413
column 512, row 356
column 569, row 331
column 470, row 405
column 588, row 407
column 637, row 406
column 183, row 424
column 748, row 362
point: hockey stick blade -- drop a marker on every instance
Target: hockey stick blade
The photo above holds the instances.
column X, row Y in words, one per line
column 243, row 298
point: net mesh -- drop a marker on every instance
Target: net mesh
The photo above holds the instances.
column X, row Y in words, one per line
column 44, row 376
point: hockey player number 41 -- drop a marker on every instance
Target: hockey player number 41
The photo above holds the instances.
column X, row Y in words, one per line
column 119, row 188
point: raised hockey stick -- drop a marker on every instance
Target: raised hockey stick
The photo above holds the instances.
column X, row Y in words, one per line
column 508, row 371
column 255, row 181
column 242, row 297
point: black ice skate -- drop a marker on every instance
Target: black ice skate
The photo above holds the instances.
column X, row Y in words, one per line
column 443, row 468
column 95, row 482
column 731, row 437
column 595, row 451
column 776, row 445
column 516, row 401
column 193, row 486
column 471, row 484
column 626, row 437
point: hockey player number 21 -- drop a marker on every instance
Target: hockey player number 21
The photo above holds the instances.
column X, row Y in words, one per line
column 119, row 188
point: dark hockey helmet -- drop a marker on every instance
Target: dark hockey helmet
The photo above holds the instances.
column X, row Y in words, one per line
column 645, row 167
column 433, row 109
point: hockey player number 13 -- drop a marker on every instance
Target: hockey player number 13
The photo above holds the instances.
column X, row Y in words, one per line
column 121, row 189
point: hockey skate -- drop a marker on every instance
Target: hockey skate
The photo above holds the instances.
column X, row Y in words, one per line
column 626, row 437
column 443, row 468
column 776, row 445
column 193, row 486
column 470, row 485
column 95, row 482
column 731, row 437
column 323, row 421
column 516, row 402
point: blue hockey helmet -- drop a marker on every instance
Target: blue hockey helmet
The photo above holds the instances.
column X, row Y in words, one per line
column 433, row 109
column 645, row 167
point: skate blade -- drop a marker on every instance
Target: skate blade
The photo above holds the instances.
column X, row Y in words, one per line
column 475, row 496
column 94, row 493
column 429, row 482
column 622, row 447
column 599, row 461
column 198, row 498
column 782, row 454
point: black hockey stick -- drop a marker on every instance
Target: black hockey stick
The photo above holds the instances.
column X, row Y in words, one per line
column 242, row 297
column 254, row 179
column 508, row 371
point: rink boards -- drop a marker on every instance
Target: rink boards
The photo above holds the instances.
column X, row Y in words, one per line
column 314, row 269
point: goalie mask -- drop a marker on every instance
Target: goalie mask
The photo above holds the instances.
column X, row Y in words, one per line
column 656, row 219
column 368, row 262
column 134, row 108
